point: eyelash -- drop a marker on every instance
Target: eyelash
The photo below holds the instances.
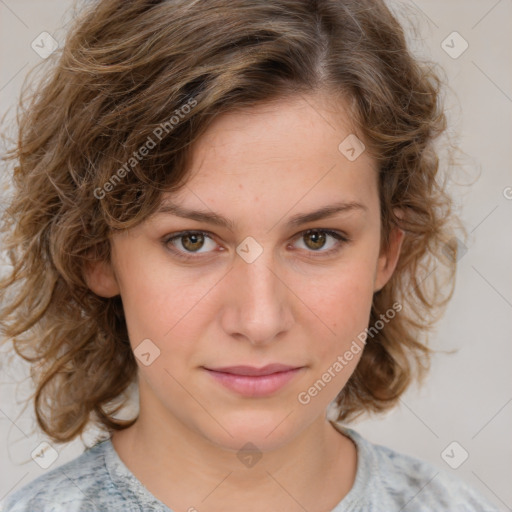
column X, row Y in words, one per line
column 341, row 239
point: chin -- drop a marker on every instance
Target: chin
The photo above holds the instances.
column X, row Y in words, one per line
column 267, row 430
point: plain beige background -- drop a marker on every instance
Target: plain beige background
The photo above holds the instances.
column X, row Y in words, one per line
column 467, row 398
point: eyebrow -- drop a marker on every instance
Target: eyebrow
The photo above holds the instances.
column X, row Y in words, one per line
column 297, row 220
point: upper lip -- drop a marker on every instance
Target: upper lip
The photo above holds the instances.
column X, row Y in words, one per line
column 253, row 371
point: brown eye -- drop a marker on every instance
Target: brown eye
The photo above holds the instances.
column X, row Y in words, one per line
column 317, row 239
column 188, row 243
column 193, row 241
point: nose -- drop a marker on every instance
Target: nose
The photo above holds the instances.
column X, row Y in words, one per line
column 258, row 303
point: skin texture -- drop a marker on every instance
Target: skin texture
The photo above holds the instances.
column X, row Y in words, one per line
column 292, row 305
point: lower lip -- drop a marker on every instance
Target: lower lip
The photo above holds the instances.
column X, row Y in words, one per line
column 254, row 386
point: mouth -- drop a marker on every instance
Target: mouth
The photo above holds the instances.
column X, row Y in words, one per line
column 254, row 382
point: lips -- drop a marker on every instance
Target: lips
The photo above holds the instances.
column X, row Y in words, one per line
column 253, row 382
column 253, row 371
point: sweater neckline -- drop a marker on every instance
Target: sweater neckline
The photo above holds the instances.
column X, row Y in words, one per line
column 133, row 489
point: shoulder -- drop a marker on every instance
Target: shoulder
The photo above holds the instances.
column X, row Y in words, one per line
column 410, row 484
column 424, row 486
column 72, row 487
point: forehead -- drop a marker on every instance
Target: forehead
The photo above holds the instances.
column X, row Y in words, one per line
column 297, row 128
column 275, row 155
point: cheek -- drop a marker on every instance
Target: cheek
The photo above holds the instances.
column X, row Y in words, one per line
column 343, row 304
column 153, row 292
column 146, row 306
column 169, row 308
column 343, row 301
column 354, row 303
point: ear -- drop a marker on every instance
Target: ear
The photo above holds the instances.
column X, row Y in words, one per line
column 101, row 279
column 388, row 259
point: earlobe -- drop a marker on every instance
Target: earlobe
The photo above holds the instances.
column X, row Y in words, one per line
column 101, row 279
column 388, row 259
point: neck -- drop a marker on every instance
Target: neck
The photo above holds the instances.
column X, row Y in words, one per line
column 313, row 471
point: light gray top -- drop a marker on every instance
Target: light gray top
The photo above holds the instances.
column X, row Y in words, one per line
column 386, row 481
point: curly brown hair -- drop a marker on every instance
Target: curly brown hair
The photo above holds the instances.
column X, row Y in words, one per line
column 125, row 68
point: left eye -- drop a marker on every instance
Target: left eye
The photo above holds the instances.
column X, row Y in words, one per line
column 192, row 241
column 318, row 237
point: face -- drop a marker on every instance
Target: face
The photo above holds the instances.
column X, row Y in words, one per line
column 255, row 285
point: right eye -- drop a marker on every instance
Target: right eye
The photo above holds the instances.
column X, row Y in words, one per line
column 190, row 242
